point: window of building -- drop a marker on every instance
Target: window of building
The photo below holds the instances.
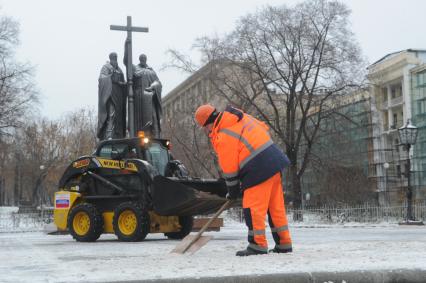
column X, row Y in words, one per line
column 384, row 94
column 185, row 101
column 395, row 120
column 400, row 119
column 421, row 78
column 203, row 87
column 385, row 120
column 199, row 88
column 396, row 91
column 373, row 170
column 398, row 171
column 423, row 171
column 423, row 148
column 421, row 107
column 393, row 92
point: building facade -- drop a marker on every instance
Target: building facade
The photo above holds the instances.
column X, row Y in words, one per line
column 340, row 167
column 418, row 108
column 396, row 90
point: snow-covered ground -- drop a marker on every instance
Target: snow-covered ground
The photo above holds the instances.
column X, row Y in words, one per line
column 12, row 221
column 37, row 257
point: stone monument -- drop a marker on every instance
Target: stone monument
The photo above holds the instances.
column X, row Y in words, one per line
column 111, row 101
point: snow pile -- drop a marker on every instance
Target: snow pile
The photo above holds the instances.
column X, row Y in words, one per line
column 4, row 210
column 12, row 221
column 310, row 220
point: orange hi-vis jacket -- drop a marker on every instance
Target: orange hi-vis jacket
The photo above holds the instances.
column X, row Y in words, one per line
column 246, row 153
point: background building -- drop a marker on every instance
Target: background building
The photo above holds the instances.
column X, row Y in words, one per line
column 396, row 96
column 418, row 108
column 340, row 168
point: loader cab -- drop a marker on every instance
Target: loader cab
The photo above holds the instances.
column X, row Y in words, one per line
column 158, row 156
column 155, row 151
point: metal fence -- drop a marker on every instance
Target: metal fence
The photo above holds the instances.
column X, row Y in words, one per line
column 21, row 222
column 362, row 214
column 15, row 222
column 346, row 214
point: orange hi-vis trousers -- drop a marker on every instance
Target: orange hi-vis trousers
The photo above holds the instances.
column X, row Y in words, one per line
column 266, row 198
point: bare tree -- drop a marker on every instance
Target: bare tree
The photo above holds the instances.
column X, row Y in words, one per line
column 77, row 137
column 193, row 149
column 17, row 91
column 345, row 185
column 35, row 157
column 288, row 62
column 17, row 94
column 79, row 133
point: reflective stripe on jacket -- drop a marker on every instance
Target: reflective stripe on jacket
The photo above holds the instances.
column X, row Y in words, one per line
column 245, row 150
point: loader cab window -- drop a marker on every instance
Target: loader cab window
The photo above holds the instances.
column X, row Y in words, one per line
column 105, row 151
column 158, row 156
column 117, row 151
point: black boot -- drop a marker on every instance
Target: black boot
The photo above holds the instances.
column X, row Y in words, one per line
column 281, row 251
column 250, row 251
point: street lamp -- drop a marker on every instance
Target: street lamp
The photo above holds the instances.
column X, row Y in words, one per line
column 407, row 137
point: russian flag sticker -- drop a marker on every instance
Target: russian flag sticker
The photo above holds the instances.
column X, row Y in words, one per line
column 62, row 201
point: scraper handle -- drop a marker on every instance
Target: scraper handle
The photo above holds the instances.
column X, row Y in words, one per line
column 216, row 215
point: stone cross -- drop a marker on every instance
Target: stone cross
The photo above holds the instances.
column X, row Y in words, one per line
column 129, row 66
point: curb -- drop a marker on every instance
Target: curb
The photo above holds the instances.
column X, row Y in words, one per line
column 360, row 276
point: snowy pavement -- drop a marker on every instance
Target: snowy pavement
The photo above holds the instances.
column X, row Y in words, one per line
column 37, row 257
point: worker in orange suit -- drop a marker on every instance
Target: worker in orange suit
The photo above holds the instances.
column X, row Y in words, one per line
column 252, row 165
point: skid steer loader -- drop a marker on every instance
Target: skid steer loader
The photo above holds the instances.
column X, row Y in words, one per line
column 132, row 187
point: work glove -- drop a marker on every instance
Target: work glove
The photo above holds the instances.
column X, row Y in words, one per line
column 233, row 192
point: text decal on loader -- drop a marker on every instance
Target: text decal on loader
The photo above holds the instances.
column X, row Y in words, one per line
column 81, row 163
column 116, row 164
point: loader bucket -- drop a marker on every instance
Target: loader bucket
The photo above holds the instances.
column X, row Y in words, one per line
column 173, row 196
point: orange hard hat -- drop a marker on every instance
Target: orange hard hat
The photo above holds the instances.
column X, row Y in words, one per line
column 203, row 114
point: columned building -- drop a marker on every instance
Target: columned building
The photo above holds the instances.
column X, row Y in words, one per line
column 393, row 85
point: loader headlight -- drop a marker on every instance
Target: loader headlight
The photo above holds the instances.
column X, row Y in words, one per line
column 144, row 139
column 141, row 134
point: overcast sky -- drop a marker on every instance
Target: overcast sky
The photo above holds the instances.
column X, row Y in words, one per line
column 69, row 41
